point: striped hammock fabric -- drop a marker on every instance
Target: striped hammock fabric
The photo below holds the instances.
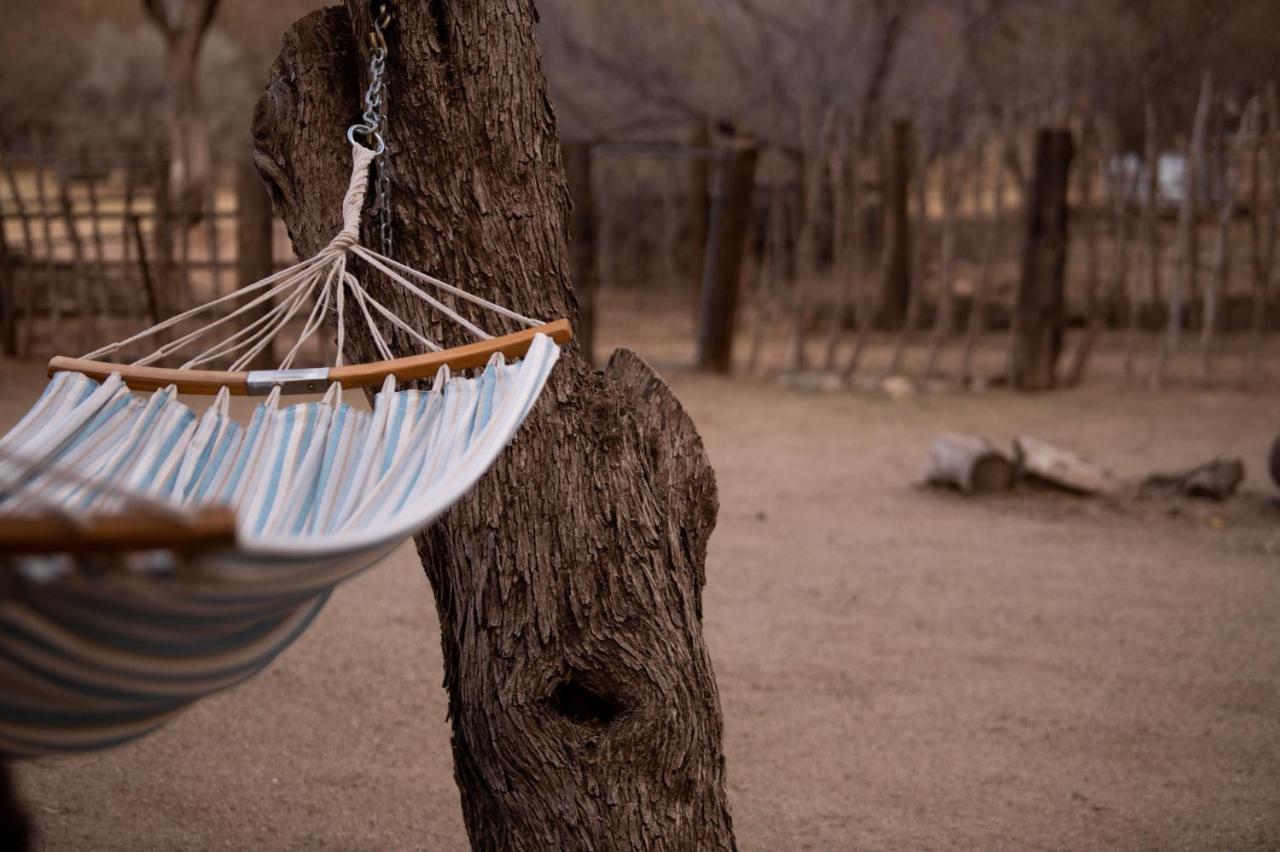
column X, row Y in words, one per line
column 94, row 652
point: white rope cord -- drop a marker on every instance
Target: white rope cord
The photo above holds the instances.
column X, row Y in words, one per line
column 340, row 304
column 375, row 261
column 302, row 295
column 183, row 342
column 367, row 297
column 323, row 278
column 313, row 322
column 371, row 255
column 256, row 330
column 174, row 320
column 378, row 342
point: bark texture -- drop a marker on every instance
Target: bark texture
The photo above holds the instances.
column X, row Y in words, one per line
column 585, row 713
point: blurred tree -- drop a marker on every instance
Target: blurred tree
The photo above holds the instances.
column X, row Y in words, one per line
column 184, row 23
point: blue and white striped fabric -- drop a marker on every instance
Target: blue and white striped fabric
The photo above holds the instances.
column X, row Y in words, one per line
column 321, row 491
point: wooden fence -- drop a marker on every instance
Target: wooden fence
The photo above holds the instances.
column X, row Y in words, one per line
column 90, row 250
column 892, row 251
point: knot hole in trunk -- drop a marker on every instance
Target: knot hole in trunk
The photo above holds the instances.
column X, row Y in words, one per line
column 576, row 701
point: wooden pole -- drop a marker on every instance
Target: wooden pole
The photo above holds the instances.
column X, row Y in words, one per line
column 1270, row 278
column 85, row 318
column 718, row 316
column 953, row 179
column 53, row 282
column 990, row 243
column 1151, row 236
column 254, row 257
column 767, row 274
column 162, row 237
column 699, row 214
column 28, row 247
column 863, row 296
column 582, row 242
column 102, row 296
column 842, row 264
column 817, row 142
column 1038, row 313
column 919, row 256
column 8, row 297
column 895, row 292
column 1119, row 189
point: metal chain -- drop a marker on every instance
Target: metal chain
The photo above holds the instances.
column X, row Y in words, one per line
column 373, row 123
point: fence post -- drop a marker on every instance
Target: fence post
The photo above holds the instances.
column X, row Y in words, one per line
column 1038, row 314
column 582, row 243
column 718, row 316
column 167, row 299
column 8, row 299
column 699, row 213
column 254, row 260
column 895, row 291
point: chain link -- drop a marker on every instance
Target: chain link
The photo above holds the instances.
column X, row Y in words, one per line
column 373, row 122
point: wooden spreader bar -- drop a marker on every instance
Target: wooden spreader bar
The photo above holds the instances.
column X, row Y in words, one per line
column 260, row 382
column 209, row 529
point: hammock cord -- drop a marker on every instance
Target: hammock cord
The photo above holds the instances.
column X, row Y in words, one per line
column 323, row 282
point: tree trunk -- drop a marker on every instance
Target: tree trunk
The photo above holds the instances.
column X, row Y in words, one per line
column 895, row 290
column 1038, row 320
column 568, row 583
column 183, row 24
column 718, row 317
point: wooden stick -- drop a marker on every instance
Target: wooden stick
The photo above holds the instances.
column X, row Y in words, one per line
column 102, row 297
column 208, row 529
column 919, row 255
column 838, row 175
column 1263, row 288
column 995, row 227
column 1188, row 244
column 1222, row 250
column 1151, row 234
column 407, row 369
column 863, row 294
column 79, row 271
column 8, row 296
column 815, row 157
column 1120, row 189
column 53, row 284
column 944, row 322
column 767, row 275
column 28, row 245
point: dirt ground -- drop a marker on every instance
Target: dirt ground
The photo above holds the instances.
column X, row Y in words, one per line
column 900, row 668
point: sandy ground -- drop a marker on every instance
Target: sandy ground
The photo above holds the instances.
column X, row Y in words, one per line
column 899, row 668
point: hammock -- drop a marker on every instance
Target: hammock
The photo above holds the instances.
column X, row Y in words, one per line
column 204, row 547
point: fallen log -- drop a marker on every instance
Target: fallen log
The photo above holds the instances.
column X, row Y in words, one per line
column 968, row 463
column 1043, row 462
column 1215, row 480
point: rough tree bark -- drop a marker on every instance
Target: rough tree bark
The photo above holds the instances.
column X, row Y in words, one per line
column 568, row 584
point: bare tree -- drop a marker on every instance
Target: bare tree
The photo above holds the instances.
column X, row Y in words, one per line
column 569, row 583
column 184, row 23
